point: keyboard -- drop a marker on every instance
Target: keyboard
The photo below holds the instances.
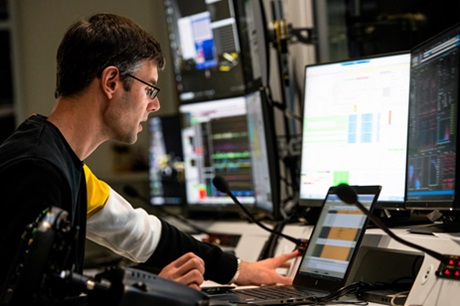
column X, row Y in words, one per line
column 275, row 294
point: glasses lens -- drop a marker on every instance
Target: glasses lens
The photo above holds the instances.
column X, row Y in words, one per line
column 153, row 93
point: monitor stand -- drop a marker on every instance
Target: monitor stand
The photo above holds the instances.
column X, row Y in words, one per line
column 401, row 218
column 451, row 227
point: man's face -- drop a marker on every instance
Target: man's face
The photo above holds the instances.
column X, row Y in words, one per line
column 131, row 108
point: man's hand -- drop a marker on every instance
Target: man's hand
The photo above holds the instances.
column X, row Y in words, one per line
column 187, row 269
column 264, row 272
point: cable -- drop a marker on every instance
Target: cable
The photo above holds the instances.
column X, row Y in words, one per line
column 267, row 40
column 399, row 295
column 352, row 288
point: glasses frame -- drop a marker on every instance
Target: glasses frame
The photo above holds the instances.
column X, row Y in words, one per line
column 155, row 90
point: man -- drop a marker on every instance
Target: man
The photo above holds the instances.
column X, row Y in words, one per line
column 107, row 69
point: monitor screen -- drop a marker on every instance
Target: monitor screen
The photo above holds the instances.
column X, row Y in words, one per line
column 433, row 122
column 264, row 157
column 166, row 164
column 355, row 120
column 231, row 138
column 217, row 47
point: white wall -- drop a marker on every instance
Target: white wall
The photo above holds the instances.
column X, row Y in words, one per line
column 39, row 27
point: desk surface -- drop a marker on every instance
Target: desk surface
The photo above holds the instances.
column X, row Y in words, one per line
column 427, row 290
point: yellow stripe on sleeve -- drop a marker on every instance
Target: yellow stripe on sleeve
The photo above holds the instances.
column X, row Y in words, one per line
column 97, row 192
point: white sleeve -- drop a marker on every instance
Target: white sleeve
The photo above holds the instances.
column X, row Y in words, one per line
column 128, row 232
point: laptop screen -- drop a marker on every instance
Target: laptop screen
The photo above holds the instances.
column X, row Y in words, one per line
column 336, row 238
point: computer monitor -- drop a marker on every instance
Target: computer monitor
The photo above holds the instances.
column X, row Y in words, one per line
column 355, row 117
column 217, row 47
column 166, row 163
column 264, row 155
column 230, row 138
column 432, row 167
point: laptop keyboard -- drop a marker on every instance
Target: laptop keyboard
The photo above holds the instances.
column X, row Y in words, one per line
column 275, row 293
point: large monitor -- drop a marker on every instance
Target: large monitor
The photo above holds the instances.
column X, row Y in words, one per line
column 217, row 47
column 230, row 138
column 355, row 117
column 166, row 163
column 432, row 167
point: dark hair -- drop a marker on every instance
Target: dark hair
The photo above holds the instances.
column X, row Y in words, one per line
column 89, row 46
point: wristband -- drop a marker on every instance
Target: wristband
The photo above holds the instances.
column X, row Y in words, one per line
column 237, row 273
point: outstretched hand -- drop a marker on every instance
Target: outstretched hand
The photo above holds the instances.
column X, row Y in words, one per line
column 264, row 272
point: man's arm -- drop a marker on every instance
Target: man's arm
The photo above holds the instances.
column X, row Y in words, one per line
column 146, row 239
column 132, row 233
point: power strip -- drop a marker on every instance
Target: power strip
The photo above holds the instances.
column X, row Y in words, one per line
column 450, row 268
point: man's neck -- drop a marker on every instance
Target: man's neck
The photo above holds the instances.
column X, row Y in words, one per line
column 78, row 126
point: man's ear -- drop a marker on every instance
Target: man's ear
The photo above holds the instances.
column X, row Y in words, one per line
column 110, row 78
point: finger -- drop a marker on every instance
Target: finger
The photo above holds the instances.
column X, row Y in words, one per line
column 285, row 265
column 284, row 280
column 284, row 258
column 191, row 278
column 185, row 258
column 195, row 286
column 287, row 256
column 182, row 266
column 191, row 264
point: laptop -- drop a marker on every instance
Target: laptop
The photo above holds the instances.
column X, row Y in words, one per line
column 327, row 259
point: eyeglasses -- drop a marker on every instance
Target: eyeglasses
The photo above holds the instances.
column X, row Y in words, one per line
column 153, row 90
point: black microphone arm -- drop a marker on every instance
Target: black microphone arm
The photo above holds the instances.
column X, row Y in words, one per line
column 221, row 185
column 348, row 195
